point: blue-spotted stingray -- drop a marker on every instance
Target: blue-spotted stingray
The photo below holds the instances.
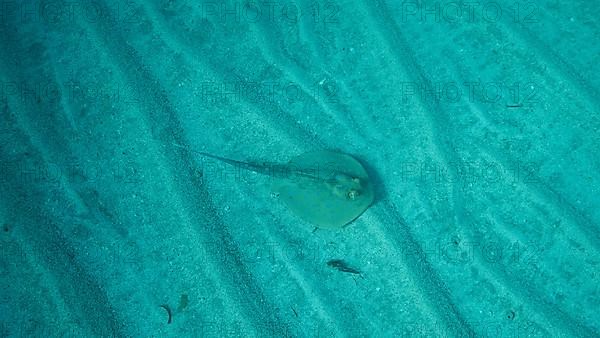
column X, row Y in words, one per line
column 325, row 188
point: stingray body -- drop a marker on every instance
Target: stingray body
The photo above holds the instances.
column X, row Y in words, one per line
column 326, row 188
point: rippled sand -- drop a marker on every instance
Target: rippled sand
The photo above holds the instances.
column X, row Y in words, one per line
column 481, row 131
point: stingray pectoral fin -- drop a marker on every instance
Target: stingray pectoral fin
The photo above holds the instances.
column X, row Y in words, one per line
column 341, row 194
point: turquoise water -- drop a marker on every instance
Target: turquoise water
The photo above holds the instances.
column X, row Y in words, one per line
column 476, row 122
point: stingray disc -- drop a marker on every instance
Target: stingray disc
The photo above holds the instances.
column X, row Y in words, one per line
column 325, row 188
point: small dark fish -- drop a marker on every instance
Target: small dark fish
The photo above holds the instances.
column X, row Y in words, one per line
column 342, row 266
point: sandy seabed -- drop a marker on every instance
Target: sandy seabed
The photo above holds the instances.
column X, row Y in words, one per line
column 479, row 128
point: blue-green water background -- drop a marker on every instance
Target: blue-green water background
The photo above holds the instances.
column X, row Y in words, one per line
column 479, row 123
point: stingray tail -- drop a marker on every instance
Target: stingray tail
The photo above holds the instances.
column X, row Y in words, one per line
column 244, row 165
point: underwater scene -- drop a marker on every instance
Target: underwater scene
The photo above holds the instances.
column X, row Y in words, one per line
column 305, row 168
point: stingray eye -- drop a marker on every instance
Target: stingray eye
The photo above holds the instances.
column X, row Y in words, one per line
column 352, row 194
